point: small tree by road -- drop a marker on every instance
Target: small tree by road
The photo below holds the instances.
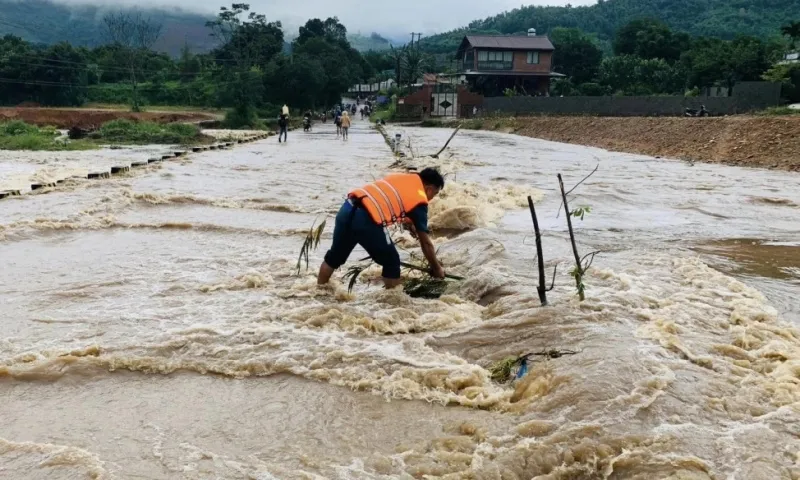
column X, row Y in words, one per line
column 134, row 35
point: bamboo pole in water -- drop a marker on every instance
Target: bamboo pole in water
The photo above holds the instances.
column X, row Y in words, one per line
column 436, row 155
column 578, row 273
column 542, row 289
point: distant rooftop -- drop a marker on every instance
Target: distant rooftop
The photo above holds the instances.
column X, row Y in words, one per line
column 513, row 42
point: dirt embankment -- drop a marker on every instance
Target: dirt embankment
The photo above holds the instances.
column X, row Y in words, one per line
column 766, row 142
column 88, row 118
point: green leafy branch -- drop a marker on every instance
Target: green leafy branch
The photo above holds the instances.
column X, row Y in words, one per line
column 311, row 242
column 506, row 369
column 580, row 212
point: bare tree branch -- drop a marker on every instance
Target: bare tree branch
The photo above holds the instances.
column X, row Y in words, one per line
column 436, row 155
column 591, row 259
column 553, row 284
column 134, row 35
column 576, row 186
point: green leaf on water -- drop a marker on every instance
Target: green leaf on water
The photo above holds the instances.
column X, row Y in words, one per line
column 581, row 212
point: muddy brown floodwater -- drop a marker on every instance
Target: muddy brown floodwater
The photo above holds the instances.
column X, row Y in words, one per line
column 154, row 326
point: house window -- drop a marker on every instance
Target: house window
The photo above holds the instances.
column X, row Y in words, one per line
column 495, row 60
column 493, row 56
column 533, row 58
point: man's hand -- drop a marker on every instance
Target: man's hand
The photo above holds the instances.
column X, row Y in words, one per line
column 437, row 271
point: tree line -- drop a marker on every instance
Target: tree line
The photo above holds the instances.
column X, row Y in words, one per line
column 249, row 71
column 252, row 72
column 723, row 19
column 651, row 59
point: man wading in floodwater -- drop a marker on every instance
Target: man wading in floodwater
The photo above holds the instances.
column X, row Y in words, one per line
column 283, row 123
column 367, row 213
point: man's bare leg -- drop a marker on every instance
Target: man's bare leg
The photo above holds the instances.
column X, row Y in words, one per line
column 325, row 273
column 391, row 282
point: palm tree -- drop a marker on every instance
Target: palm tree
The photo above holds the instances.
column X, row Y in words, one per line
column 792, row 30
column 413, row 64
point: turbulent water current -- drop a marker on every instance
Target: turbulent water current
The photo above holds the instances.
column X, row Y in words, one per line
column 154, row 326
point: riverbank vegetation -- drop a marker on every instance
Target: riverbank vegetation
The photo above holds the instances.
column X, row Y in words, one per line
column 146, row 133
column 17, row 135
column 249, row 73
column 721, row 19
column 644, row 57
column 252, row 71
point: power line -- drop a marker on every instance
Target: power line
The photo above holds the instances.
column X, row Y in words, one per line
column 46, row 83
column 85, row 66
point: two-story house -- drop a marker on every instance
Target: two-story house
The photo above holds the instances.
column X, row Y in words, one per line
column 491, row 63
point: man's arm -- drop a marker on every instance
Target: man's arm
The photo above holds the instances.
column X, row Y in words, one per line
column 419, row 218
column 430, row 254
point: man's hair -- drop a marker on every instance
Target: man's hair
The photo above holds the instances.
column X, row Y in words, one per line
column 431, row 176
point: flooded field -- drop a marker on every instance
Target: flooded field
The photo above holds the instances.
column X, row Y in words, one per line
column 155, row 326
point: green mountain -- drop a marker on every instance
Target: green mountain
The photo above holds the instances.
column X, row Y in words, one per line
column 46, row 22
column 374, row 42
column 714, row 18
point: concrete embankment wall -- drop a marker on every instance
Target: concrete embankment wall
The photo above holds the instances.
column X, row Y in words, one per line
column 767, row 142
column 99, row 173
column 747, row 97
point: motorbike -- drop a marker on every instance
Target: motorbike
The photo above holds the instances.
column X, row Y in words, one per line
column 306, row 124
column 693, row 112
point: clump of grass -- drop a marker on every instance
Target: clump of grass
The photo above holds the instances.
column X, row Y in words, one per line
column 243, row 118
column 430, row 123
column 18, row 127
column 18, row 135
column 310, row 243
column 127, row 131
column 425, row 287
column 352, row 274
column 503, row 370
column 779, row 111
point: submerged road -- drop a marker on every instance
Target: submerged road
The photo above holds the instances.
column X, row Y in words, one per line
column 155, row 326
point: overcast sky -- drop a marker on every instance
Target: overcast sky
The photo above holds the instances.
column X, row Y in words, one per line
column 365, row 16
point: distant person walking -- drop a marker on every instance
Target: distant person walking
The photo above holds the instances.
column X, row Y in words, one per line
column 345, row 125
column 337, row 120
column 283, row 123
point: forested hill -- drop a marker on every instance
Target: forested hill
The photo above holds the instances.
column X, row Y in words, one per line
column 42, row 21
column 45, row 22
column 714, row 18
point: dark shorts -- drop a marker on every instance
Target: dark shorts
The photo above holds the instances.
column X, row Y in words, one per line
column 355, row 227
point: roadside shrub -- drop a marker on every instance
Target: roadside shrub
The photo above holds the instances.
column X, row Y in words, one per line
column 18, row 127
column 242, row 118
column 779, row 111
column 592, row 89
column 127, row 131
column 18, row 135
column 788, row 75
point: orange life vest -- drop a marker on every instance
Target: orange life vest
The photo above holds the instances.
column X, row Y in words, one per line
column 389, row 199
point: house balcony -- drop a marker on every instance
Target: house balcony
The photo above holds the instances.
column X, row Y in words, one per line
column 495, row 65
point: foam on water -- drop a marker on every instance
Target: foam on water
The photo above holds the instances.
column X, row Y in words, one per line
column 679, row 371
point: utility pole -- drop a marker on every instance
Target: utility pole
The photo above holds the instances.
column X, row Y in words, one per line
column 416, row 35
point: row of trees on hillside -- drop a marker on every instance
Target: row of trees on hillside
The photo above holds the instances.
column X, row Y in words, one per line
column 248, row 71
column 252, row 72
column 649, row 58
column 723, row 19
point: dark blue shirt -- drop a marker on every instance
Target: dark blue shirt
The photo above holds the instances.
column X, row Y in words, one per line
column 418, row 215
